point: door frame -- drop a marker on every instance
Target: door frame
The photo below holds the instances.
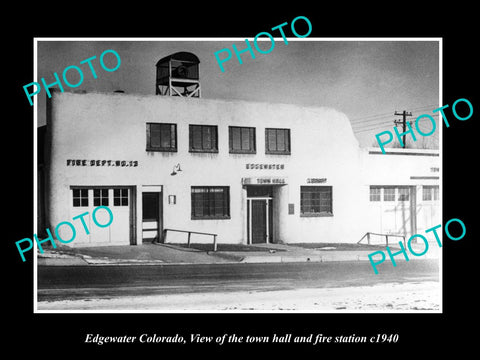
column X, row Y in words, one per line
column 159, row 195
column 268, row 214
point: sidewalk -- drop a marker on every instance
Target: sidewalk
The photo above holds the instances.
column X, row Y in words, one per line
column 170, row 254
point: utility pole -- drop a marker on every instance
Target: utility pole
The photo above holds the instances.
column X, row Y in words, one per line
column 403, row 122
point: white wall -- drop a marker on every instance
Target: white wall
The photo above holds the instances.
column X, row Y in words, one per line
column 113, row 127
column 401, row 167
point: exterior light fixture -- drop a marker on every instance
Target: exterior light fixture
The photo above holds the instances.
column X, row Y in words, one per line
column 176, row 168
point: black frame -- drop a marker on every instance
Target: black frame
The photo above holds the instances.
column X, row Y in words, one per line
column 173, row 137
column 251, row 139
column 287, row 139
column 304, row 213
column 208, row 198
column 100, row 197
column 119, row 197
column 372, row 187
column 82, row 200
column 213, row 148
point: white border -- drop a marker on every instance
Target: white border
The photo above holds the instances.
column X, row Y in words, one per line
column 35, row 194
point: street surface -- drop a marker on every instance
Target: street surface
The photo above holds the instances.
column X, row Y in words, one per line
column 329, row 286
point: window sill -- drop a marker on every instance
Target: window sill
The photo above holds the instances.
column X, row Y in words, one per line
column 277, row 152
column 210, row 218
column 161, row 150
column 203, row 151
column 317, row 215
column 242, row 152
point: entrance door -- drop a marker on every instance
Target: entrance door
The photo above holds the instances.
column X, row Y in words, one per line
column 259, row 221
column 259, row 214
column 152, row 216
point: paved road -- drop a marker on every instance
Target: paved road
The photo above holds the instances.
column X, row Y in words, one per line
column 83, row 282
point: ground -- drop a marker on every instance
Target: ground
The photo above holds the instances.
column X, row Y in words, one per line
column 387, row 297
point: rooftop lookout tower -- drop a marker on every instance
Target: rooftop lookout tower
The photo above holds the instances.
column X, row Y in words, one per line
column 178, row 75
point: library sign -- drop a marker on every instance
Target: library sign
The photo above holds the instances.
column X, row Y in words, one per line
column 316, row 180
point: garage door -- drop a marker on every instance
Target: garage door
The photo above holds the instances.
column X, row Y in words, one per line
column 86, row 199
column 428, row 210
column 391, row 207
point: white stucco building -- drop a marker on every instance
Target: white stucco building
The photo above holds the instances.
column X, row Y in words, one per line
column 250, row 172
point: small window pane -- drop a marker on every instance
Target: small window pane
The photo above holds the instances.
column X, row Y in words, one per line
column 430, row 192
column 80, row 197
column 272, row 140
column 120, row 197
column 100, row 197
column 165, row 138
column 403, row 194
column 280, row 140
column 155, row 135
column 207, row 138
column 375, row 193
column 389, row 194
column 245, row 139
column 236, row 138
column 197, row 137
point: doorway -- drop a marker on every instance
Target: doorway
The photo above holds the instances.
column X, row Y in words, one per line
column 152, row 226
column 259, row 220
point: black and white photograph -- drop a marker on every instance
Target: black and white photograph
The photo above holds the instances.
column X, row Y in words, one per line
column 258, row 188
column 230, row 180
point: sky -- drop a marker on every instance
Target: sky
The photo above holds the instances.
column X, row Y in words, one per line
column 366, row 80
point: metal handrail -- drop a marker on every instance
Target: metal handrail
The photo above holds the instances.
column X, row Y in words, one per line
column 386, row 237
column 164, row 236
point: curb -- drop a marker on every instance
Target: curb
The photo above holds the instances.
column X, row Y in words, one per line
column 227, row 256
column 232, row 257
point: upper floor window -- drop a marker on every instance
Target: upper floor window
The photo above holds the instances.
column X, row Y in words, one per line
column 203, row 138
column 277, row 141
column 161, row 137
column 242, row 140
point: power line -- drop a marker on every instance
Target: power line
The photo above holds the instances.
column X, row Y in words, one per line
column 366, row 125
column 371, row 117
column 376, row 126
column 367, row 121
